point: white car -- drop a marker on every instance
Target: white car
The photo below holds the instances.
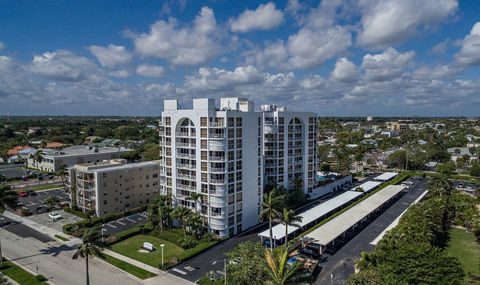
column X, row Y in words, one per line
column 55, row 216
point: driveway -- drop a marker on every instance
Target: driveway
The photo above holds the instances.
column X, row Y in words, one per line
column 33, row 201
column 125, row 223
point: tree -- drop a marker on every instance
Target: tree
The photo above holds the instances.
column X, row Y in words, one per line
column 475, row 170
column 89, row 247
column 37, row 157
column 440, row 185
column 8, row 197
column 61, row 172
column 151, row 152
column 195, row 197
column 397, row 159
column 446, row 168
column 325, row 167
column 153, row 213
column 182, row 214
column 51, row 201
column 246, row 269
column 195, row 223
column 278, row 270
column 270, row 211
column 289, row 218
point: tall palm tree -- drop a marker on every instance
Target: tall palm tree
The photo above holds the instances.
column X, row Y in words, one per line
column 440, row 185
column 277, row 268
column 270, row 211
column 61, row 171
column 182, row 213
column 37, row 157
column 195, row 197
column 290, row 218
column 8, row 198
column 153, row 213
column 89, row 247
column 51, row 201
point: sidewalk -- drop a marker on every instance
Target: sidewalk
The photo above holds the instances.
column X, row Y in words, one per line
column 163, row 276
column 73, row 241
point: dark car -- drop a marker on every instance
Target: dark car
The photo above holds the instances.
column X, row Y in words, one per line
column 310, row 252
column 48, row 176
column 31, row 193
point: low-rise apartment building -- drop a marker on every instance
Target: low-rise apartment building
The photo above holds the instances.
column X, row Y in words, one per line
column 53, row 159
column 114, row 186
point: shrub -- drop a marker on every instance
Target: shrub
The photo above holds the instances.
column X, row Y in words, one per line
column 40, row 278
column 187, row 242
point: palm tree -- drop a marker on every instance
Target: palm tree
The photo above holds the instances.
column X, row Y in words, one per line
column 61, row 171
column 37, row 157
column 89, row 247
column 153, row 213
column 182, row 213
column 270, row 211
column 290, row 218
column 8, row 198
column 440, row 185
column 195, row 197
column 51, row 201
column 277, row 268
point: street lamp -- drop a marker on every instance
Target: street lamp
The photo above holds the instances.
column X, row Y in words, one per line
column 162, row 246
column 103, row 235
column 331, row 279
column 224, row 268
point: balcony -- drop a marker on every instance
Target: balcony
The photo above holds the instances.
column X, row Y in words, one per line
column 186, row 176
column 217, row 169
column 183, row 134
column 218, row 192
column 217, row 204
column 216, row 136
column 216, row 145
column 270, row 129
column 186, row 155
column 186, row 166
column 186, row 187
column 185, row 145
column 217, row 125
column 218, row 158
column 217, row 181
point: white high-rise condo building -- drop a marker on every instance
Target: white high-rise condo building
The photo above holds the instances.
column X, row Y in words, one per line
column 219, row 153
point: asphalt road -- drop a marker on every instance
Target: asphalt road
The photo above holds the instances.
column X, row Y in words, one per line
column 22, row 230
column 125, row 223
column 341, row 263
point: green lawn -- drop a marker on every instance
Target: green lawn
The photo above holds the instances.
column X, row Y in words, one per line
column 42, row 187
column 19, row 274
column 130, row 247
column 61, row 238
column 132, row 269
column 463, row 246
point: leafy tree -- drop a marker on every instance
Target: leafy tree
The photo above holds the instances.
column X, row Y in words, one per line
column 289, row 218
column 270, row 211
column 278, row 270
column 8, row 198
column 475, row 170
column 325, row 167
column 89, row 247
column 446, row 168
column 245, row 267
column 51, row 201
column 440, row 185
column 397, row 159
column 151, row 152
column 182, row 214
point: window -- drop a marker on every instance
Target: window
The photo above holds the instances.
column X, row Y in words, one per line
column 239, row 122
column 168, row 121
column 203, row 121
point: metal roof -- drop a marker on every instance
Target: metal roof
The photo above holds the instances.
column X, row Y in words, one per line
column 340, row 224
column 367, row 186
column 386, row 176
column 312, row 214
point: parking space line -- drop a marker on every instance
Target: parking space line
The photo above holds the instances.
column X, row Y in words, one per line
column 130, row 220
column 121, row 223
column 110, row 225
column 180, row 271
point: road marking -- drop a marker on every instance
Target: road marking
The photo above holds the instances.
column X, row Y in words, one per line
column 179, row 271
column 110, row 225
column 130, row 220
column 189, row 268
column 123, row 224
column 220, row 272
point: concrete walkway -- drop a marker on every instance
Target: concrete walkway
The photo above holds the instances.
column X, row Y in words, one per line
column 162, row 277
column 73, row 241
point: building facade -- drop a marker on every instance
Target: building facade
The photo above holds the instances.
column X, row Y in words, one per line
column 52, row 159
column 225, row 154
column 114, row 186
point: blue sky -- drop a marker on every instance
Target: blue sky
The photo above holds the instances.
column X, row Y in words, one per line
column 333, row 57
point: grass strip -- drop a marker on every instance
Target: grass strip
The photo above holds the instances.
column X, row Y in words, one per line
column 20, row 275
column 127, row 267
column 61, row 238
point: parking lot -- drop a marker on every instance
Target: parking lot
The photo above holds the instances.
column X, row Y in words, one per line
column 44, row 220
column 22, row 230
column 125, row 223
column 32, row 202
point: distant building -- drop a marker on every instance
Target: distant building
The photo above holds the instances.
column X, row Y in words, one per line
column 54, row 145
column 17, row 149
column 33, row 130
column 53, row 159
column 113, row 186
column 369, row 118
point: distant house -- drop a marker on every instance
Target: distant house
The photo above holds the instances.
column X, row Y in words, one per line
column 15, row 150
column 457, row 152
column 25, row 153
column 15, row 159
column 390, row 134
column 32, row 130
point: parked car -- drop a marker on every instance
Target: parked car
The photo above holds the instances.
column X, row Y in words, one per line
column 24, row 178
column 310, row 252
column 31, row 192
column 55, row 216
column 40, row 177
column 19, row 204
column 23, row 194
column 41, row 209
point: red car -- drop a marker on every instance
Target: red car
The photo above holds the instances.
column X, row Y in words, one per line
column 23, row 194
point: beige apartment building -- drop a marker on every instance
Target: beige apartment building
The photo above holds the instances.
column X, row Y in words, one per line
column 113, row 186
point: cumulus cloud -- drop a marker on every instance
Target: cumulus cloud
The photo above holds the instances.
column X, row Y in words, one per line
column 62, row 65
column 469, row 53
column 345, row 70
column 122, row 73
column 386, row 65
column 219, row 79
column 390, row 21
column 182, row 45
column 148, row 70
column 111, row 56
column 265, row 17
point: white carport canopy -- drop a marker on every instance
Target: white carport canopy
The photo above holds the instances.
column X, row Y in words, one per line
column 340, row 224
column 368, row 186
column 386, row 176
column 312, row 214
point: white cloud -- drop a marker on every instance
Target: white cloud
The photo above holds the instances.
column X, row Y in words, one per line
column 111, row 56
column 436, row 72
column 148, row 70
column 441, row 47
column 345, row 70
column 122, row 73
column 218, row 79
column 387, row 65
column 389, row 22
column 2, row 45
column 63, row 65
column 189, row 45
column 265, row 17
column 469, row 54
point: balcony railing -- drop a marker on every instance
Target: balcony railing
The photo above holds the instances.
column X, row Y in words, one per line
column 217, row 124
column 216, row 136
column 217, row 169
column 186, row 155
column 186, row 166
column 217, row 204
column 183, row 134
column 186, row 176
column 217, row 181
column 189, row 145
column 218, row 192
column 186, row 187
column 218, row 158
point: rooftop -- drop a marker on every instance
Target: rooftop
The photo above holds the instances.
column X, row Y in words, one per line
column 82, row 149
